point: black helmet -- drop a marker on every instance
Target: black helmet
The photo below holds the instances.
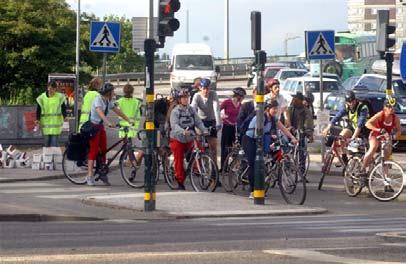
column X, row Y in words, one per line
column 350, row 96
column 107, row 87
column 239, row 91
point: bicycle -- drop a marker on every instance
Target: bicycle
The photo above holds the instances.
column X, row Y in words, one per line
column 334, row 151
column 200, row 168
column 300, row 153
column 386, row 179
column 353, row 183
column 76, row 170
column 280, row 168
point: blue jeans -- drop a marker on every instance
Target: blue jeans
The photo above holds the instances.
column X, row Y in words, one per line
column 51, row 140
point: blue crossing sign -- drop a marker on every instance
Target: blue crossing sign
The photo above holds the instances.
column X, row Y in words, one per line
column 403, row 62
column 105, row 36
column 320, row 45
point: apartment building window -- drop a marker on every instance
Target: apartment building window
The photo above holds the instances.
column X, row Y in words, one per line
column 374, row 11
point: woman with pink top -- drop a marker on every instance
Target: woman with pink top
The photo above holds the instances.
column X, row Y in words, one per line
column 231, row 108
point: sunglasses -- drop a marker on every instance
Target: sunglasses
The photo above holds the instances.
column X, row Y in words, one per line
column 389, row 106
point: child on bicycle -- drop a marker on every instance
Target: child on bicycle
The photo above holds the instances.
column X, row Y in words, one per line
column 131, row 107
column 100, row 108
column 271, row 125
column 382, row 123
column 183, row 121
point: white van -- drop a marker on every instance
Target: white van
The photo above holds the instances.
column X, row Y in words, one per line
column 189, row 61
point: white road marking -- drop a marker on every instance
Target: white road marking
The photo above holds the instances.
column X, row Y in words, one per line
column 25, row 184
column 322, row 257
column 52, row 190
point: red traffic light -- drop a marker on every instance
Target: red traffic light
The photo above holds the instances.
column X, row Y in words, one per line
column 171, row 7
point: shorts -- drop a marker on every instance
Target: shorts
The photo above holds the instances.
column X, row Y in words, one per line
column 212, row 124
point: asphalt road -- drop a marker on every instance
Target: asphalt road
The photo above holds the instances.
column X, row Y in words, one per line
column 347, row 234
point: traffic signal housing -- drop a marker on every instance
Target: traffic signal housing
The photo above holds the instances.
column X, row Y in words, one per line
column 167, row 23
column 383, row 31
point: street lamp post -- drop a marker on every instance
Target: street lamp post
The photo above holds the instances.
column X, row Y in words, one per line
column 285, row 41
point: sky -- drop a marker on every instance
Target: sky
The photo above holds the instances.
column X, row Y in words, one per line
column 206, row 21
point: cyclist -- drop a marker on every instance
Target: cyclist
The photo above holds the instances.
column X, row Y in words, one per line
column 246, row 109
column 274, row 88
column 100, row 108
column 206, row 103
column 382, row 123
column 231, row 108
column 271, row 125
column 94, row 87
column 131, row 107
column 183, row 121
column 194, row 88
column 300, row 118
column 357, row 113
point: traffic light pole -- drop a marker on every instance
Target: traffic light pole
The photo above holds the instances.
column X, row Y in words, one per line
column 389, row 64
column 259, row 181
column 149, row 189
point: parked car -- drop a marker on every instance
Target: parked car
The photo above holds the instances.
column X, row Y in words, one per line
column 284, row 74
column 270, row 72
column 350, row 82
column 312, row 84
column 326, row 75
column 294, row 64
column 377, row 82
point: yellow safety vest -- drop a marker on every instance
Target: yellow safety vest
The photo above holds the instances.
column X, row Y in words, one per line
column 51, row 115
column 353, row 116
column 86, row 107
column 131, row 107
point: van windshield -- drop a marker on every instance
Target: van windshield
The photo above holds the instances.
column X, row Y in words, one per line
column 194, row 62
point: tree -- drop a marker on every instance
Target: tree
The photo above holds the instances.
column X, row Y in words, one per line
column 37, row 38
column 126, row 60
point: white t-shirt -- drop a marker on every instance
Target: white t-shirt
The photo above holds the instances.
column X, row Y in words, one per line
column 282, row 102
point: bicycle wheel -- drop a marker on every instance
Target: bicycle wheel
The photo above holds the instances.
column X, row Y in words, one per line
column 132, row 173
column 325, row 169
column 169, row 172
column 303, row 161
column 227, row 172
column 203, row 173
column 386, row 182
column 238, row 174
column 292, row 184
column 353, row 182
column 74, row 171
column 271, row 176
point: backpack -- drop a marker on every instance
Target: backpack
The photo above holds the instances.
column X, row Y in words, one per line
column 161, row 107
column 371, row 110
column 243, row 127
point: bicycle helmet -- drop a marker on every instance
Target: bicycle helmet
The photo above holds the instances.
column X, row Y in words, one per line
column 271, row 103
column 239, row 91
column 356, row 146
column 350, row 96
column 205, row 82
column 181, row 93
column 107, row 87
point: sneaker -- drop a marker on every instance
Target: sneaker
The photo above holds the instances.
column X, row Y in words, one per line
column 389, row 188
column 105, row 180
column 90, row 181
column 251, row 196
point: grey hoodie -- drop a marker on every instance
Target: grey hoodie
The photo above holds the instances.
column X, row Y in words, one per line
column 184, row 117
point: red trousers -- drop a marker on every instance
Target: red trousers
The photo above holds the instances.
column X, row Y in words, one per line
column 179, row 149
column 98, row 143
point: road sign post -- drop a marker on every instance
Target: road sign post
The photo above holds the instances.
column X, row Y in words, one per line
column 320, row 46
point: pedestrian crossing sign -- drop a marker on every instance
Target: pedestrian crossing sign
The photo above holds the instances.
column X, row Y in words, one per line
column 104, row 36
column 320, row 45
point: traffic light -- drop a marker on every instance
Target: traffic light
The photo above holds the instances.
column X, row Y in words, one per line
column 167, row 22
column 383, row 30
column 255, row 30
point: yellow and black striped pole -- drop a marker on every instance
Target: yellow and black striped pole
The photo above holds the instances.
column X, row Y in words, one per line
column 149, row 189
column 259, row 181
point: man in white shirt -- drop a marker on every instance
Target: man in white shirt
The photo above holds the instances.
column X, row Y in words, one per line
column 273, row 88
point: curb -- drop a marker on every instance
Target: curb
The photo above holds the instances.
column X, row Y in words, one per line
column 393, row 237
column 219, row 214
column 44, row 218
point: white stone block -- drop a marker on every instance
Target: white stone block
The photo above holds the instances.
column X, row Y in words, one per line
column 48, row 158
column 36, row 166
column 36, row 158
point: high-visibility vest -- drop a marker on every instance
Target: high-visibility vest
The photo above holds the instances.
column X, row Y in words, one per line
column 86, row 107
column 131, row 107
column 353, row 116
column 51, row 115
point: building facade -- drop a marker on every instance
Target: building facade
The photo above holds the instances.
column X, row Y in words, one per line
column 362, row 16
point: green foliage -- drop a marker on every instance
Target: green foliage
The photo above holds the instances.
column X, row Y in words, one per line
column 126, row 60
column 39, row 37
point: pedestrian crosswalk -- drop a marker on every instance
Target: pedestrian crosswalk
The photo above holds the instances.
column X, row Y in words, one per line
column 58, row 190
